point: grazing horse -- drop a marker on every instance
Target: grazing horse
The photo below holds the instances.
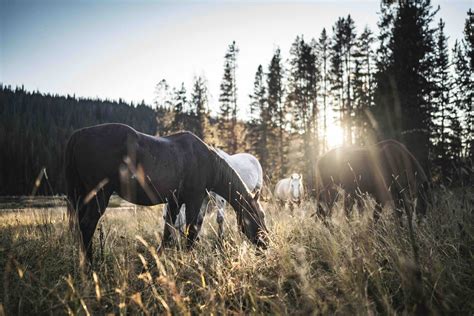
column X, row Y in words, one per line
column 249, row 169
column 177, row 169
column 290, row 189
column 387, row 171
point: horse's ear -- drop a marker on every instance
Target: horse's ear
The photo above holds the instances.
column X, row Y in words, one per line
column 257, row 195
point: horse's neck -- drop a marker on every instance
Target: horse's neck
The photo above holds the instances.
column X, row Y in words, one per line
column 228, row 184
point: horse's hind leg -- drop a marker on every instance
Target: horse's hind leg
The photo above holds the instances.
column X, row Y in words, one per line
column 88, row 218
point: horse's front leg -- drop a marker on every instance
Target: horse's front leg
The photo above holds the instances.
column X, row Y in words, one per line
column 349, row 201
column 194, row 219
column 220, row 219
column 326, row 202
column 172, row 210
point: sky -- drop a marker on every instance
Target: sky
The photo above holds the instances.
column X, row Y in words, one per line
column 122, row 49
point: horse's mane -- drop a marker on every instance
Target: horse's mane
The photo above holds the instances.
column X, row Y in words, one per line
column 224, row 173
column 235, row 161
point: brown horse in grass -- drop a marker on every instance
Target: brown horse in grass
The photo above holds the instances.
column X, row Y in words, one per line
column 387, row 171
column 146, row 170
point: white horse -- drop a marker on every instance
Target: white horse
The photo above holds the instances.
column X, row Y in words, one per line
column 249, row 169
column 290, row 189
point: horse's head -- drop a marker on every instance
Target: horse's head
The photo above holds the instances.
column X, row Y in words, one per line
column 296, row 186
column 253, row 221
column 220, row 202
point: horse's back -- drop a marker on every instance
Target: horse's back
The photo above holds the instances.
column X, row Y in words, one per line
column 97, row 151
column 102, row 151
column 102, row 137
column 249, row 169
column 185, row 138
column 401, row 165
column 343, row 165
column 104, row 130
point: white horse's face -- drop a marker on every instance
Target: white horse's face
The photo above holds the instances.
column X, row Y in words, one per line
column 220, row 202
column 295, row 186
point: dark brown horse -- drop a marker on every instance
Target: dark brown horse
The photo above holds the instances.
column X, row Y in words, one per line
column 146, row 170
column 387, row 171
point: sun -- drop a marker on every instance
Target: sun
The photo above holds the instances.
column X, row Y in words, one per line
column 334, row 136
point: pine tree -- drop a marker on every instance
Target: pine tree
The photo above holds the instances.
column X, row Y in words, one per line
column 302, row 97
column 336, row 69
column 441, row 101
column 387, row 113
column 469, row 83
column 162, row 95
column 403, row 76
column 260, row 120
column 180, row 104
column 349, row 36
column 323, row 54
column 199, row 103
column 463, row 96
column 225, row 111
column 360, row 104
column 228, row 100
column 383, row 55
column 457, row 106
column 461, row 117
column 362, row 85
column 469, row 37
column 277, row 112
column 342, row 49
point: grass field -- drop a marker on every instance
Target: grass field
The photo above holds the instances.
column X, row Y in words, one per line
column 347, row 266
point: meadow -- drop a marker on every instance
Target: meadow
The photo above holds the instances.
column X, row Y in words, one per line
column 348, row 265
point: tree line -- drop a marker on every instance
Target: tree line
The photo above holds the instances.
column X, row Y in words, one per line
column 403, row 83
column 35, row 127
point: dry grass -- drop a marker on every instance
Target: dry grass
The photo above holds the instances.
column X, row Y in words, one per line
column 349, row 266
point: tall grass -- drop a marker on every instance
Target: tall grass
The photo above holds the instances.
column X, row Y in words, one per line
column 345, row 266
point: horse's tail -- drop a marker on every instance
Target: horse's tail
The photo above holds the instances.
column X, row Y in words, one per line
column 73, row 183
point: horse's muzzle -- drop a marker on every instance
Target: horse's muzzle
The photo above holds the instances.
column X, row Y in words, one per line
column 296, row 201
